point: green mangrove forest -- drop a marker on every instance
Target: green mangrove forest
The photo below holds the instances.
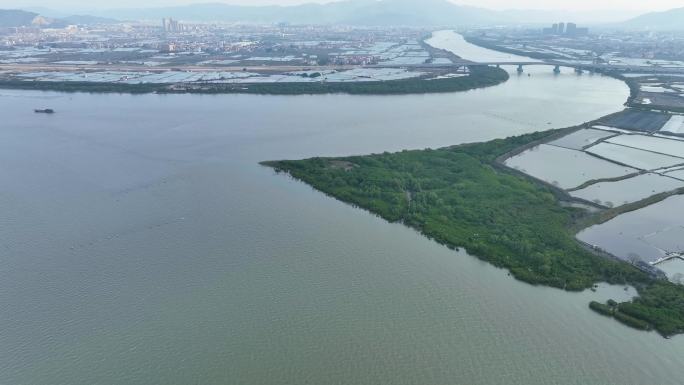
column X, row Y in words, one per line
column 463, row 198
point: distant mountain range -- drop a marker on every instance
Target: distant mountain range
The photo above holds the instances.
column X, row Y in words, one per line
column 347, row 12
column 19, row 18
column 350, row 12
column 663, row 21
column 81, row 20
column 365, row 12
column 15, row 18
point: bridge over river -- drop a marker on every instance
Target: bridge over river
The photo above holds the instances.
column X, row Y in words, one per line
column 456, row 65
column 556, row 64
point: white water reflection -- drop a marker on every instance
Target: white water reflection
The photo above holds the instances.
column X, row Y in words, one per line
column 452, row 41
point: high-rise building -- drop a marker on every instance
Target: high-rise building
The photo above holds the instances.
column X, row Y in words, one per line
column 573, row 30
column 569, row 29
column 170, row 25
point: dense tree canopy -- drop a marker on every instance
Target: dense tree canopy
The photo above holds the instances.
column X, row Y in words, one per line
column 462, row 197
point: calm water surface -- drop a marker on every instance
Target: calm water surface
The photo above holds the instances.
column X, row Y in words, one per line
column 647, row 234
column 456, row 43
column 143, row 244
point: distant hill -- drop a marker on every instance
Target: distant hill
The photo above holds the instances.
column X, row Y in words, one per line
column 15, row 18
column 82, row 20
column 365, row 12
column 667, row 20
column 351, row 12
column 19, row 18
column 427, row 13
column 51, row 12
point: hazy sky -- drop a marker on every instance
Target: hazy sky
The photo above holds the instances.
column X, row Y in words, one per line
column 576, row 5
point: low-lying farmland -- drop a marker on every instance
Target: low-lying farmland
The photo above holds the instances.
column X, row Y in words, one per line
column 565, row 168
column 625, row 191
column 647, row 234
column 679, row 174
column 675, row 125
column 633, row 157
column 650, row 143
column 637, row 120
column 581, row 139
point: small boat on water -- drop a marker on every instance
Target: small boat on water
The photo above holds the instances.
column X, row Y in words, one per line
column 44, row 111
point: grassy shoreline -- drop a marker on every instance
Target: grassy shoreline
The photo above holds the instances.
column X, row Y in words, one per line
column 463, row 197
column 480, row 77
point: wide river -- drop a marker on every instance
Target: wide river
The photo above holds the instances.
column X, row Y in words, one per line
column 143, row 244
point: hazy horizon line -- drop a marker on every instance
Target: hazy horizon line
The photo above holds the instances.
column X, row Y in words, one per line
column 89, row 6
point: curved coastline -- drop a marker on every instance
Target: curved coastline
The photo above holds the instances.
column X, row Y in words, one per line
column 533, row 238
column 390, row 185
column 480, row 77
